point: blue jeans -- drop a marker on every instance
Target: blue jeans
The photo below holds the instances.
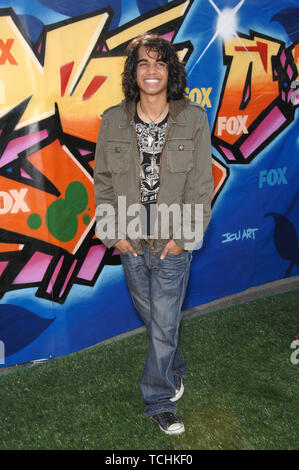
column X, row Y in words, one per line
column 157, row 288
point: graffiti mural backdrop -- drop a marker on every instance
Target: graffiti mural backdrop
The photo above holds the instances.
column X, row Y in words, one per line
column 60, row 64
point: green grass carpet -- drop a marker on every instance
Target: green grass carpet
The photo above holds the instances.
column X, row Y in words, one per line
column 242, row 390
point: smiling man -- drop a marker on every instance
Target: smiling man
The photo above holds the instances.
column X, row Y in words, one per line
column 154, row 150
column 151, row 77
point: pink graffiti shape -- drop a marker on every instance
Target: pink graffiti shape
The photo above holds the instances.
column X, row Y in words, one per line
column 283, row 95
column 290, row 71
column 265, row 129
column 92, row 262
column 228, row 153
column 14, row 147
column 3, row 265
column 67, row 278
column 168, row 36
column 54, row 275
column 34, row 270
column 247, row 94
column 283, row 58
column 84, row 152
column 24, row 174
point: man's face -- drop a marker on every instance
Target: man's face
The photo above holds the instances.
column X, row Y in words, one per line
column 151, row 73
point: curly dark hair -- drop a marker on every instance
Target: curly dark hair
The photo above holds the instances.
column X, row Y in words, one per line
column 166, row 53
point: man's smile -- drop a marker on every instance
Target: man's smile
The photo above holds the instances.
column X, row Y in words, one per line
column 151, row 80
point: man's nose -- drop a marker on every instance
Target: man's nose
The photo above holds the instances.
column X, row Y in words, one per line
column 153, row 68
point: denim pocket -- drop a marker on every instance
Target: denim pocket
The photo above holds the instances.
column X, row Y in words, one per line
column 174, row 254
column 173, row 265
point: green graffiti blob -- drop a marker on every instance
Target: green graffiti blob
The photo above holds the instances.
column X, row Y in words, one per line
column 62, row 215
column 86, row 219
column 34, row 221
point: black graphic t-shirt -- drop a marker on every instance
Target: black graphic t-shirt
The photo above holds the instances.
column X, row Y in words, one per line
column 150, row 148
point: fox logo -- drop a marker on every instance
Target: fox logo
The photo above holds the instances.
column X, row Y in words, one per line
column 13, row 201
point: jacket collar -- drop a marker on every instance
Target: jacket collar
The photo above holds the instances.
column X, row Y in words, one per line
column 175, row 110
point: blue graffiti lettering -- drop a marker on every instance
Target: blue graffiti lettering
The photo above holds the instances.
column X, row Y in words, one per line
column 247, row 233
column 273, row 177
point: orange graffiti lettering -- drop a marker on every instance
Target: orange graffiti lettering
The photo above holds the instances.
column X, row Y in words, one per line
column 6, row 54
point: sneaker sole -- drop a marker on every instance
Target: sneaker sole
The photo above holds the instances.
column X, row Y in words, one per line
column 179, row 394
column 171, row 432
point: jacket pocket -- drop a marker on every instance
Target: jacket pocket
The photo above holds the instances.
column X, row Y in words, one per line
column 179, row 155
column 118, row 156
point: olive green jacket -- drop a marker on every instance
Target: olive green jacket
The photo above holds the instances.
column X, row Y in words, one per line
column 185, row 176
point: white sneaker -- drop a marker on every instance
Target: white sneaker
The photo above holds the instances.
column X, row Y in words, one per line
column 169, row 423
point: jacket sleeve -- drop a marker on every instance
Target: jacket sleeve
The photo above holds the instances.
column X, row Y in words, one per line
column 106, row 206
column 198, row 190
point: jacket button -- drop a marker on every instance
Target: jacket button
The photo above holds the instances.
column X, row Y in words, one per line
column 117, row 149
column 181, row 147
